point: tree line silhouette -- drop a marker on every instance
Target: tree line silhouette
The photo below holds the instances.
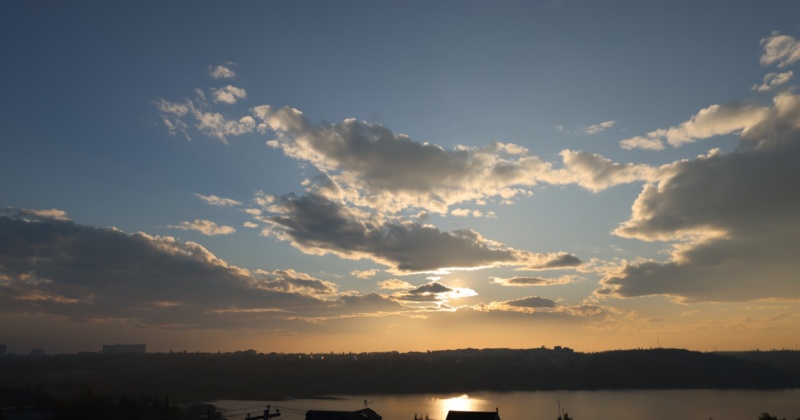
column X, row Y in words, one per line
column 274, row 376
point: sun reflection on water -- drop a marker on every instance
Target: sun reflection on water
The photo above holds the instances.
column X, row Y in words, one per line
column 460, row 403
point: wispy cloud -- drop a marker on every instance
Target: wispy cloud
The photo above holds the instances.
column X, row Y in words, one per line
column 213, row 124
column 713, row 121
column 363, row 274
column 36, row 214
column 598, row 128
column 533, row 281
column 395, row 284
column 206, row 227
column 531, row 302
column 218, row 201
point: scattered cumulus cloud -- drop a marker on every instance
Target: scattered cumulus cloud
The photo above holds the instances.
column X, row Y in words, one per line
column 228, row 94
column 732, row 218
column 780, row 50
column 374, row 166
column 369, row 165
column 316, row 225
column 596, row 173
column 212, row 124
column 773, row 80
column 221, row 72
column 369, row 174
column 55, row 267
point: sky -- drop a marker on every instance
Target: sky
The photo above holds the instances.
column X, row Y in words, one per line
column 297, row 176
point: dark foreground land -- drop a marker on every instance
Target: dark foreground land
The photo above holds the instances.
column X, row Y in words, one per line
column 249, row 375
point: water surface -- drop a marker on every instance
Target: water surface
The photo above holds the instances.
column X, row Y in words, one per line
column 543, row 405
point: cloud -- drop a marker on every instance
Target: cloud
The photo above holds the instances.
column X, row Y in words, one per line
column 172, row 115
column 318, row 226
column 221, row 72
column 291, row 281
column 250, row 225
column 434, row 292
column 395, row 284
column 535, row 307
column 596, row 173
column 598, row 128
column 206, row 227
column 531, row 302
column 228, row 94
column 66, row 271
column 56, row 267
column 215, row 125
column 713, row 121
column 772, row 80
column 781, row 50
column 363, row 274
column 389, row 171
column 732, row 219
column 532, row 281
column 36, row 214
column 474, row 213
column 218, row 201
column 369, row 166
column 644, row 143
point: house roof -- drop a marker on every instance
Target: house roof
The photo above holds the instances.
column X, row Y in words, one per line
column 473, row 415
column 363, row 414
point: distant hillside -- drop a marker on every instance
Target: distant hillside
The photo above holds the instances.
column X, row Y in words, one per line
column 250, row 375
column 788, row 360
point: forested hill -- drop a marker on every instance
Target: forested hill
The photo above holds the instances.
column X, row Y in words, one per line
column 251, row 375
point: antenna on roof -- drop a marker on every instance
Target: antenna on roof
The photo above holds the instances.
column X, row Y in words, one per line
column 366, row 403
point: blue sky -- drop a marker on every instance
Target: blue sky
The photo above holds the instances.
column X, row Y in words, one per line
column 397, row 175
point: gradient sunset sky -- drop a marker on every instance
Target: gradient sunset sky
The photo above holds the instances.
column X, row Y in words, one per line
column 298, row 176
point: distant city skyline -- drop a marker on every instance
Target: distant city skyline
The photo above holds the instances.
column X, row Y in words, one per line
column 409, row 176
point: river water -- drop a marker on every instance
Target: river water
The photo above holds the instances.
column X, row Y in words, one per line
column 543, row 405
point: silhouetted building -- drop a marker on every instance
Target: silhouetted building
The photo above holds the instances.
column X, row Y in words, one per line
column 37, row 353
column 473, row 415
column 2, row 349
column 123, row 348
column 363, row 414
